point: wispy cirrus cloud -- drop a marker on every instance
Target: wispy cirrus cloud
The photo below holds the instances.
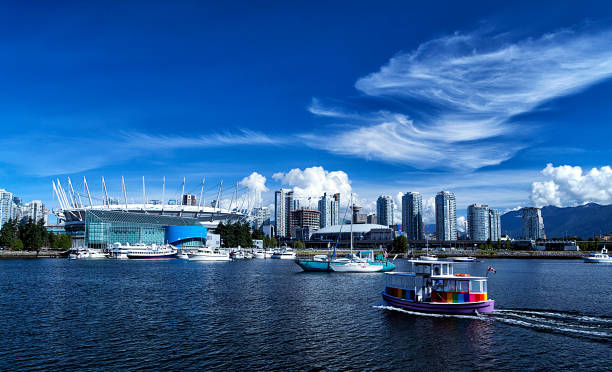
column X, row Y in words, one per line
column 476, row 83
column 45, row 155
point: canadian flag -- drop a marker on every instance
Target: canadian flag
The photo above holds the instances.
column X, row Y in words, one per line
column 492, row 269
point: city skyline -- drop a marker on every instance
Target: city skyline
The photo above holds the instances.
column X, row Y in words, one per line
column 359, row 119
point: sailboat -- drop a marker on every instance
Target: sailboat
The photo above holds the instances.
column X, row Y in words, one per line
column 356, row 264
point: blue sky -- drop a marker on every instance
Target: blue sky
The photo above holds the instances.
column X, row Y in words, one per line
column 469, row 96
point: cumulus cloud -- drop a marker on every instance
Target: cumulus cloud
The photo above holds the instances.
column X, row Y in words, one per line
column 477, row 82
column 314, row 181
column 569, row 186
column 256, row 184
column 461, row 223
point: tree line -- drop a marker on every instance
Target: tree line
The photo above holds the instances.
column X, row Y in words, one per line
column 30, row 235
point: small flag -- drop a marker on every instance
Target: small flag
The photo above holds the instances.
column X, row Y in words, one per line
column 386, row 254
column 492, row 269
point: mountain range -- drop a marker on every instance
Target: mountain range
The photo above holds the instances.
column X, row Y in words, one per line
column 583, row 221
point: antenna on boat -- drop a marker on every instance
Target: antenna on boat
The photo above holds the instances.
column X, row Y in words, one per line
column 124, row 193
column 87, row 188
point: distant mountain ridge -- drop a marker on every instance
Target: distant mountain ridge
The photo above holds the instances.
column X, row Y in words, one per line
column 582, row 221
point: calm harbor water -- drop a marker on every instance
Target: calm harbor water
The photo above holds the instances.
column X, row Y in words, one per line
column 267, row 315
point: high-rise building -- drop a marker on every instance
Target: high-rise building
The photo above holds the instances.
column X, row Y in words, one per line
column 478, row 222
column 412, row 216
column 189, row 199
column 6, row 206
column 34, row 210
column 358, row 217
column 283, row 206
column 372, row 219
column 494, row 225
column 304, row 222
column 384, row 210
column 446, row 216
column 329, row 208
column 532, row 224
column 262, row 217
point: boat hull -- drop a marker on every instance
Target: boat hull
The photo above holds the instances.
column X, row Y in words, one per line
column 209, row 258
column 597, row 260
column 152, row 257
column 440, row 308
column 326, row 266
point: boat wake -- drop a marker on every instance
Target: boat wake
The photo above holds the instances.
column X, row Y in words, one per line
column 558, row 322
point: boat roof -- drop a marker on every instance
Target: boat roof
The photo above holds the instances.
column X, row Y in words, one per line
column 430, row 262
column 457, row 277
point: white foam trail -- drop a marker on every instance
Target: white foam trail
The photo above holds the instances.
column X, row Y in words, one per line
column 558, row 315
column 383, row 307
column 549, row 321
column 536, row 323
column 552, row 328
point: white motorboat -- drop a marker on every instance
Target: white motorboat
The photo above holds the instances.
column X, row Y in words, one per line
column 118, row 251
column 94, row 254
column 182, row 254
column 601, row 257
column 207, row 254
column 464, row 259
column 286, row 253
column 262, row 253
column 237, row 255
column 428, row 257
column 78, row 253
column 148, row 252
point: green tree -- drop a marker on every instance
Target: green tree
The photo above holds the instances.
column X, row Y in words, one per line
column 258, row 235
column 9, row 233
column 273, row 243
column 299, row 245
column 17, row 245
column 400, row 244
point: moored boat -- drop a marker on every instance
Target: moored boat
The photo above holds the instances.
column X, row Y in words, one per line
column 433, row 287
column 151, row 252
column 208, row 254
column 285, row 253
column 464, row 259
column 601, row 257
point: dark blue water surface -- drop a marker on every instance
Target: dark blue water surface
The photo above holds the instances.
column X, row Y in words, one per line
column 267, row 315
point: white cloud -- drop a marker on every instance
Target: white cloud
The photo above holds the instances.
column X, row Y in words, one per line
column 429, row 210
column 461, row 223
column 256, row 184
column 314, row 181
column 477, row 82
column 569, row 186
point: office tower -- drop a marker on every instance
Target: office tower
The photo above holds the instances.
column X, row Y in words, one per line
column 6, row 206
column 478, row 222
column 329, row 210
column 35, row 210
column 532, row 224
column 494, row 225
column 372, row 219
column 304, row 222
column 189, row 199
column 412, row 216
column 262, row 217
column 384, row 210
column 446, row 216
column 283, row 206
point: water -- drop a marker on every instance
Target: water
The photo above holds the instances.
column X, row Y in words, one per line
column 267, row 315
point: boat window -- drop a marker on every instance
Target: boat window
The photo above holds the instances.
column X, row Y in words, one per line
column 438, row 285
column 426, row 269
column 436, row 269
column 449, row 286
column 462, row 286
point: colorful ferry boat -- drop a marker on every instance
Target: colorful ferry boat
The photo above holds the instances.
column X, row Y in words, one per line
column 433, row 287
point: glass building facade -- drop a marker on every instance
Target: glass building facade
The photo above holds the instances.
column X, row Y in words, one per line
column 103, row 228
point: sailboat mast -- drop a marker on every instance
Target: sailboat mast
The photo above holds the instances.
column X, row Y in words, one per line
column 352, row 222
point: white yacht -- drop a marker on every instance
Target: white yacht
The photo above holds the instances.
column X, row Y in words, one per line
column 78, row 253
column 207, row 254
column 286, row 253
column 94, row 254
column 464, row 259
column 151, row 252
column 601, row 257
column 118, row 251
column 262, row 253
